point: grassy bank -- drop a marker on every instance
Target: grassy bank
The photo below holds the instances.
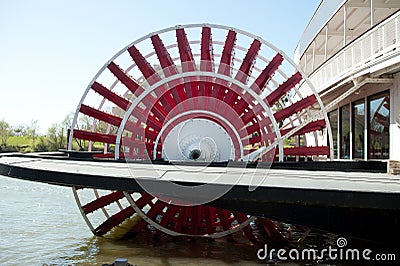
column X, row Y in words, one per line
column 24, row 144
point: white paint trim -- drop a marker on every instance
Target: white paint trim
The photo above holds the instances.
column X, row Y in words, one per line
column 223, row 77
column 78, row 202
column 372, row 12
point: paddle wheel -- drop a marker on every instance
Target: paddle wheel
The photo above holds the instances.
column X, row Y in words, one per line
column 200, row 94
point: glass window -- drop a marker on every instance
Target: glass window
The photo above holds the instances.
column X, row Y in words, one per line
column 379, row 115
column 358, row 129
column 345, row 132
column 333, row 120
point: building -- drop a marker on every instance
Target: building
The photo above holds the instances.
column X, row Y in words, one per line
column 351, row 52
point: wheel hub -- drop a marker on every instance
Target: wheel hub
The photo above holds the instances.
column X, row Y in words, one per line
column 198, row 140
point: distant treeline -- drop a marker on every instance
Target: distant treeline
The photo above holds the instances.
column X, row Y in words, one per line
column 26, row 138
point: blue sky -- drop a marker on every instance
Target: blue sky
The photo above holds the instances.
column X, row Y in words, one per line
column 50, row 50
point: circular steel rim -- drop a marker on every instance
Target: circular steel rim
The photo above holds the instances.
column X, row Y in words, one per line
column 182, row 75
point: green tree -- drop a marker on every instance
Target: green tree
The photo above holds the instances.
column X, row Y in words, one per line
column 83, row 123
column 87, row 123
column 65, row 127
column 42, row 144
column 56, row 137
column 5, row 133
column 32, row 131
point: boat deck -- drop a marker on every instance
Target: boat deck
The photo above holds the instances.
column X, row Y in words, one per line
column 343, row 201
column 236, row 174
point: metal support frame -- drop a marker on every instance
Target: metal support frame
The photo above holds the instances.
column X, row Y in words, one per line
column 372, row 10
column 356, row 86
column 232, row 32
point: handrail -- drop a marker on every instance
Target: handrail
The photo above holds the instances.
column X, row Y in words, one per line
column 381, row 41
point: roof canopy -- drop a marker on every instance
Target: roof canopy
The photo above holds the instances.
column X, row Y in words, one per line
column 335, row 24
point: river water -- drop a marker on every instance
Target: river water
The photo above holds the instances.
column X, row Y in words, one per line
column 41, row 224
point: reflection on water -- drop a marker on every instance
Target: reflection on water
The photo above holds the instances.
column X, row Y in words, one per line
column 41, row 224
column 147, row 252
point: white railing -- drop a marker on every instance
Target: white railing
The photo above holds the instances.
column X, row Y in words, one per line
column 382, row 40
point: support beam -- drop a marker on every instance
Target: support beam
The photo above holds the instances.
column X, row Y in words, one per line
column 244, row 71
column 326, row 43
column 372, row 10
column 248, row 62
column 274, row 96
column 111, row 96
column 100, row 115
column 94, row 136
column 225, row 65
column 102, row 201
column 313, row 57
column 113, row 221
column 187, row 61
column 356, row 85
column 267, row 73
column 151, row 76
column 294, row 108
column 344, row 25
column 310, row 127
column 169, row 69
column 207, row 61
column 307, row 151
column 124, row 78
